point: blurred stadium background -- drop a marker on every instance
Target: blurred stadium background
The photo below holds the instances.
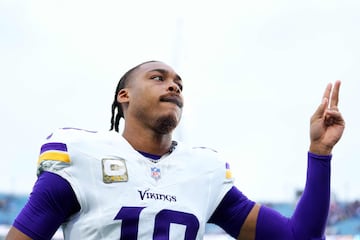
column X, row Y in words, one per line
column 343, row 221
column 263, row 51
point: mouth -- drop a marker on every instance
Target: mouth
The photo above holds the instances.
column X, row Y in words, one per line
column 172, row 99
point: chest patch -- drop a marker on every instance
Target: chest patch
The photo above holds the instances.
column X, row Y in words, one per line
column 114, row 169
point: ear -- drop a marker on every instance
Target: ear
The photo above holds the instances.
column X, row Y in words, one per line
column 122, row 96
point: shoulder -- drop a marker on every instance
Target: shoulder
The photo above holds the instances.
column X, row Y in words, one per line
column 201, row 154
column 196, row 149
column 206, row 158
column 199, row 151
column 75, row 136
column 54, row 152
column 70, row 134
column 204, row 150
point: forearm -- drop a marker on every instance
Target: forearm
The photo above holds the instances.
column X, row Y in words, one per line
column 311, row 213
column 320, row 149
column 310, row 216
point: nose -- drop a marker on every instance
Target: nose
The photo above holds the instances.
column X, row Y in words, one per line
column 173, row 87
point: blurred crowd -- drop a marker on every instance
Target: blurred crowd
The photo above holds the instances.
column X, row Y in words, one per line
column 343, row 211
column 344, row 218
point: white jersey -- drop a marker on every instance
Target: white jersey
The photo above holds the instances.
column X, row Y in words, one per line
column 124, row 195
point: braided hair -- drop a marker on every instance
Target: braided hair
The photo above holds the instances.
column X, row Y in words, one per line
column 116, row 109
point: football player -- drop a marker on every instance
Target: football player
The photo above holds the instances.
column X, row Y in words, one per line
column 141, row 184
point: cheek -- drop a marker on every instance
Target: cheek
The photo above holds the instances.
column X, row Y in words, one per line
column 140, row 96
column 143, row 103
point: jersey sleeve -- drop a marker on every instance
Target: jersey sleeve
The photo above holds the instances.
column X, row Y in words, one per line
column 223, row 182
column 52, row 200
column 232, row 212
column 219, row 176
column 54, row 154
column 231, row 205
column 51, row 203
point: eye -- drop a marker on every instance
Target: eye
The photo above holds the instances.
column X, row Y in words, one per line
column 158, row 78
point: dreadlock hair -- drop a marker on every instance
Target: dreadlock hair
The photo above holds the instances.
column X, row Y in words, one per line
column 116, row 109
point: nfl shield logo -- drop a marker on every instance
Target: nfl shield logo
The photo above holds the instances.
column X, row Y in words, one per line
column 155, row 173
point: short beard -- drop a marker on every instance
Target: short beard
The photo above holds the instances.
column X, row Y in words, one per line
column 165, row 125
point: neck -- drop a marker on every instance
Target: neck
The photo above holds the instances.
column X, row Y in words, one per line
column 148, row 141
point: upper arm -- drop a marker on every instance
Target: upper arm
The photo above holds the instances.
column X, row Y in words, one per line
column 52, row 200
column 51, row 203
column 234, row 213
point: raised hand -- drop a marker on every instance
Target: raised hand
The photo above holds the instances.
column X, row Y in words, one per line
column 327, row 124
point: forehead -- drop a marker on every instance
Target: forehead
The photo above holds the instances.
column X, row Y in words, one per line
column 155, row 66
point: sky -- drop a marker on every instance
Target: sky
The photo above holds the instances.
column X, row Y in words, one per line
column 253, row 71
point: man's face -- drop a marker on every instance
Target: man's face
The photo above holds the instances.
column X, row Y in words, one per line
column 155, row 96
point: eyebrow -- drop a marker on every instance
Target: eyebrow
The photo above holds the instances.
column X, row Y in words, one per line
column 164, row 71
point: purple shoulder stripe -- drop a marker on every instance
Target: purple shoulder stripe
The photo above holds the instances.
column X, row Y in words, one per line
column 53, row 146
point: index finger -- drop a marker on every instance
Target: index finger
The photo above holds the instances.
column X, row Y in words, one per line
column 327, row 92
column 324, row 103
column 335, row 94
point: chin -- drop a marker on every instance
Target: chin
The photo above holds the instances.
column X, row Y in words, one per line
column 166, row 124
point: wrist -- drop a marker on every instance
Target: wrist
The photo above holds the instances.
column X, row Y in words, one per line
column 320, row 149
